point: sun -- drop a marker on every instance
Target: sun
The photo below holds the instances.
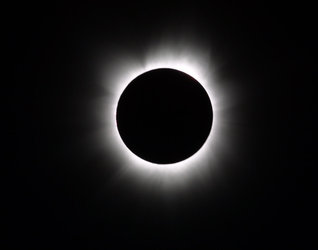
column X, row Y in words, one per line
column 192, row 60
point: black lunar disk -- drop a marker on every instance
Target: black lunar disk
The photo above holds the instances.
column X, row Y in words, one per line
column 164, row 116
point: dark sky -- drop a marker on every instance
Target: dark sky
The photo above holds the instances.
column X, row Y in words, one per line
column 60, row 191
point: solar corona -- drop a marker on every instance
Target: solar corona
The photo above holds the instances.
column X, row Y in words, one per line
column 119, row 75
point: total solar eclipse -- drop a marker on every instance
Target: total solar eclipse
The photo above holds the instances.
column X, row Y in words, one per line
column 164, row 116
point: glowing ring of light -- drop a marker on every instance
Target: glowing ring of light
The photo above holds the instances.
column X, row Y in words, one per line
column 120, row 73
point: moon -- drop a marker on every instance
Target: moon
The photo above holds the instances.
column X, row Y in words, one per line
column 164, row 116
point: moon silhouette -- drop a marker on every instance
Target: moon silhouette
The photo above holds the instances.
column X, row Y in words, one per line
column 164, row 116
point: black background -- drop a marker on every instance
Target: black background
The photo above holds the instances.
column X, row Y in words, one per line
column 60, row 193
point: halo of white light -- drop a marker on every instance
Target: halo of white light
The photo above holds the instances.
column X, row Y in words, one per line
column 117, row 74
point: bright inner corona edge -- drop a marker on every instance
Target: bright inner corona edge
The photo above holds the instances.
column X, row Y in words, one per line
column 192, row 61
